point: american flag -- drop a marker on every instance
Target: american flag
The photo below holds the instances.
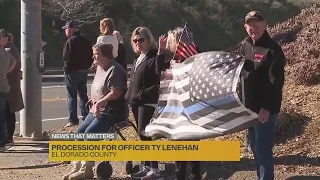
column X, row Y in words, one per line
column 202, row 99
column 185, row 49
column 186, row 46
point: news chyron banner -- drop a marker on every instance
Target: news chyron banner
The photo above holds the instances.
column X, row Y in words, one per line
column 144, row 151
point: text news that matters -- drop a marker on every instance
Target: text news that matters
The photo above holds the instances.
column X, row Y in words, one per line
column 81, row 136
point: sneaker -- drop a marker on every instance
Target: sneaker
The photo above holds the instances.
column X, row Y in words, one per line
column 153, row 174
column 71, row 124
column 141, row 173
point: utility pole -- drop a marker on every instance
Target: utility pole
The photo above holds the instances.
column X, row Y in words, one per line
column 31, row 115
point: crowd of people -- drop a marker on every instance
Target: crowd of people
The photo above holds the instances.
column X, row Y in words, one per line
column 111, row 97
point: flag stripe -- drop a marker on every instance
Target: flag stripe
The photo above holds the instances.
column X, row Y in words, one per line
column 167, row 83
column 181, row 68
column 196, row 105
column 207, row 110
column 186, row 49
column 182, row 83
column 223, row 119
column 166, row 87
column 190, row 49
column 205, row 119
column 174, row 103
column 233, row 123
column 176, row 96
column 168, row 90
column 176, row 124
column 182, row 133
column 171, row 115
column 189, row 127
column 241, row 126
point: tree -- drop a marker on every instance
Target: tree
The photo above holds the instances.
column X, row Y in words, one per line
column 82, row 11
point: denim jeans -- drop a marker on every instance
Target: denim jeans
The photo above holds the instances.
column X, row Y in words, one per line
column 183, row 166
column 92, row 124
column 261, row 139
column 98, row 125
column 142, row 115
column 76, row 82
column 11, row 122
column 3, row 120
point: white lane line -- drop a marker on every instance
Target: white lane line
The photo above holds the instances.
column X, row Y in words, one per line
column 54, row 119
column 57, row 86
column 51, row 87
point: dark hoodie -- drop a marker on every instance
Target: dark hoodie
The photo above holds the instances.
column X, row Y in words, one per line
column 265, row 73
column 145, row 80
column 77, row 53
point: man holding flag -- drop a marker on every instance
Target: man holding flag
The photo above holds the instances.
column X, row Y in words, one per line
column 263, row 89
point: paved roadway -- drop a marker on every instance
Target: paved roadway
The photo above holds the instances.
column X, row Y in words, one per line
column 54, row 107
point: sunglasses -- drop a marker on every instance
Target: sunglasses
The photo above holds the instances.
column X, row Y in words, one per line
column 140, row 40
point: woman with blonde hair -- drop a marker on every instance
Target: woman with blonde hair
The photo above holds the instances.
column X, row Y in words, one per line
column 143, row 91
column 173, row 42
column 173, row 39
column 107, row 28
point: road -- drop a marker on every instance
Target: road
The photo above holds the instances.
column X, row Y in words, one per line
column 54, row 107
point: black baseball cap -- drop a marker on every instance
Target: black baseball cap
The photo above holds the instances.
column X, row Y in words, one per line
column 253, row 15
column 70, row 24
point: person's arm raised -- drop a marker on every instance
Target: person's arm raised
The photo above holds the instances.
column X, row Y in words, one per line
column 161, row 62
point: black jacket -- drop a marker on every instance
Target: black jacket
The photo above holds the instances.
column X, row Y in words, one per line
column 77, row 53
column 122, row 56
column 265, row 74
column 145, row 81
